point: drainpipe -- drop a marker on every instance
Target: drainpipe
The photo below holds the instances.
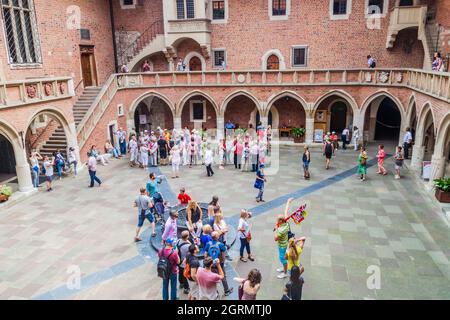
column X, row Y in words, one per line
column 113, row 30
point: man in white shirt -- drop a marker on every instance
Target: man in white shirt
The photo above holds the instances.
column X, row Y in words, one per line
column 92, row 167
column 209, row 161
column 48, row 166
column 133, row 148
column 407, row 142
column 345, row 137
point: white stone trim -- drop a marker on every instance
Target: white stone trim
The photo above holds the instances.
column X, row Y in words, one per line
column 285, row 17
column 375, row 15
column 299, row 46
column 276, row 52
column 210, row 12
column 340, row 16
column 191, row 110
column 192, row 54
column 129, row 6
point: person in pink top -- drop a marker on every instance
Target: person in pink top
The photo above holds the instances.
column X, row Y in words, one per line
column 239, row 150
column 171, row 227
column 381, row 155
column 208, row 280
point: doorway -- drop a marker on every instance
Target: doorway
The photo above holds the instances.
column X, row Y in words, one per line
column 7, row 160
column 338, row 120
column 112, row 130
column 88, row 69
column 388, row 121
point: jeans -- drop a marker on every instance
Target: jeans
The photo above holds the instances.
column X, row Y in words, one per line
column 173, row 288
column 406, row 149
column 114, row 152
column 209, row 170
column 75, row 163
column 344, row 141
column 182, row 280
column 226, row 288
column 123, row 147
column 235, row 161
column 260, row 194
column 35, row 178
column 244, row 245
column 58, row 166
column 94, row 178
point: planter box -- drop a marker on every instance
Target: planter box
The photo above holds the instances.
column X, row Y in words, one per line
column 3, row 198
column 442, row 196
column 299, row 139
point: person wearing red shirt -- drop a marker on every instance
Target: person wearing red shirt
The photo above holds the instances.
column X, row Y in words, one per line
column 183, row 197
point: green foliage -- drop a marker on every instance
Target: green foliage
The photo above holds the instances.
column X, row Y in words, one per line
column 298, row 132
column 5, row 190
column 443, row 184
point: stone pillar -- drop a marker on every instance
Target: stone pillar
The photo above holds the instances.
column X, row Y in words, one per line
column 177, row 123
column 264, row 121
column 23, row 172
column 220, row 128
column 358, row 121
column 417, row 157
column 309, row 134
column 437, row 169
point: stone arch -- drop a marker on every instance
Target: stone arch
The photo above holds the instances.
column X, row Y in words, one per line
column 285, row 93
column 443, row 136
column 235, row 94
column 9, row 132
column 148, row 94
column 186, row 97
column 275, row 52
column 411, row 112
column 379, row 94
column 298, row 116
column 339, row 93
column 192, row 54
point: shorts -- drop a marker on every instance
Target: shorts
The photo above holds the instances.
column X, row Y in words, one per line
column 281, row 254
column 398, row 167
column 306, row 165
column 328, row 155
column 49, row 178
column 194, row 291
column 141, row 218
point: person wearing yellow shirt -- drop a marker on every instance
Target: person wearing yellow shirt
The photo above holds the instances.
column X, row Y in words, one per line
column 294, row 252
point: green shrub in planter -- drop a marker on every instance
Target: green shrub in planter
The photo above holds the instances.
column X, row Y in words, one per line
column 5, row 190
column 298, row 132
column 442, row 184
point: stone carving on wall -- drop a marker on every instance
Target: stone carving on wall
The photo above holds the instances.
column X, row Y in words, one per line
column 241, row 78
column 62, row 88
column 399, row 77
column 31, row 91
column 48, row 88
column 383, row 77
column 368, row 77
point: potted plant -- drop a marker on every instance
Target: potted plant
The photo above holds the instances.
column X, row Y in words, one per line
column 298, row 134
column 5, row 193
column 442, row 189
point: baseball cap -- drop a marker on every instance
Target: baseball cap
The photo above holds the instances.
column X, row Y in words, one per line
column 170, row 241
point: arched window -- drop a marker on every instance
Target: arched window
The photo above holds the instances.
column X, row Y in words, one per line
column 273, row 63
column 195, row 64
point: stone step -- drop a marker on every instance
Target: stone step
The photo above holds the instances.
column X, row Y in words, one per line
column 55, row 142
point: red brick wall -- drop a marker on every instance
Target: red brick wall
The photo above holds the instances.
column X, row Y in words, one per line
column 291, row 113
column 239, row 110
column 60, row 45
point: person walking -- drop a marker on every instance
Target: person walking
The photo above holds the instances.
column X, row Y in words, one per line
column 183, row 245
column 144, row 205
column 60, row 163
column 345, row 135
column 306, row 158
column 293, row 289
column 356, row 138
column 249, row 286
column 92, row 168
column 72, row 160
column 328, row 151
column 259, row 183
column 48, row 167
column 34, row 163
column 207, row 280
column 398, row 160
column 208, row 161
column 217, row 251
column 282, row 238
column 407, row 142
column 245, row 235
column 170, row 254
column 362, row 164
column 381, row 155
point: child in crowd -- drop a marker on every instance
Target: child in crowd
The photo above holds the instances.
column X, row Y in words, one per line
column 398, row 159
column 206, row 236
column 381, row 155
column 183, row 197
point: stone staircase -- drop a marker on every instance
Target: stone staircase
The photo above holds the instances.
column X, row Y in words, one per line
column 84, row 102
column 57, row 141
column 432, row 32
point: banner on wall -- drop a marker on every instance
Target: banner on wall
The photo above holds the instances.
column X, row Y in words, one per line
column 142, row 119
column 318, row 135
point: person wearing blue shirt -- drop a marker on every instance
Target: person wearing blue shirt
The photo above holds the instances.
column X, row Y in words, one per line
column 152, row 185
column 229, row 125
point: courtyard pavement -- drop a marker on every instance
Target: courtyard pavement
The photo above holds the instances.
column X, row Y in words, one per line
column 395, row 225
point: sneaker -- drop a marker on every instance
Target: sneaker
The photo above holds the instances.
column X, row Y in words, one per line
column 227, row 293
column 186, row 291
column 282, row 275
column 280, row 270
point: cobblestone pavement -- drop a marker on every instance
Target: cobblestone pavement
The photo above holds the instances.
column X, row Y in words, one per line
column 393, row 224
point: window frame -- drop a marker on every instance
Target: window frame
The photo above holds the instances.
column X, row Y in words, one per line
column 185, row 10
column 191, row 110
column 35, row 37
column 279, row 17
column 214, row 57
column 128, row 6
column 299, row 46
column 371, row 15
column 345, row 16
column 225, row 13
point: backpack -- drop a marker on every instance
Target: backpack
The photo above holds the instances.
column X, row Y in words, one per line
column 179, row 246
column 187, row 270
column 214, row 250
column 328, row 148
column 164, row 267
column 373, row 64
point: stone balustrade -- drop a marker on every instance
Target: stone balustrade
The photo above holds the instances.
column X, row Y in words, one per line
column 39, row 90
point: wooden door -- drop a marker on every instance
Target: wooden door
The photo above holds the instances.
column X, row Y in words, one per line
column 195, row 64
column 86, row 69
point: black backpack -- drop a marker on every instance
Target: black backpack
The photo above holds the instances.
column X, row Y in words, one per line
column 328, row 148
column 374, row 64
column 164, row 267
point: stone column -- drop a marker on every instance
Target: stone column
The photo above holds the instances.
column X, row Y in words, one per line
column 417, row 157
column 220, row 128
column 23, row 171
column 177, row 123
column 309, row 134
column 358, row 121
column 437, row 169
column 264, row 121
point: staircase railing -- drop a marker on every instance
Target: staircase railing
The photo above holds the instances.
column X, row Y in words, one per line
column 141, row 41
column 96, row 110
column 32, row 143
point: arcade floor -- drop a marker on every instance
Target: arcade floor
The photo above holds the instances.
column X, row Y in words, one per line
column 77, row 243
